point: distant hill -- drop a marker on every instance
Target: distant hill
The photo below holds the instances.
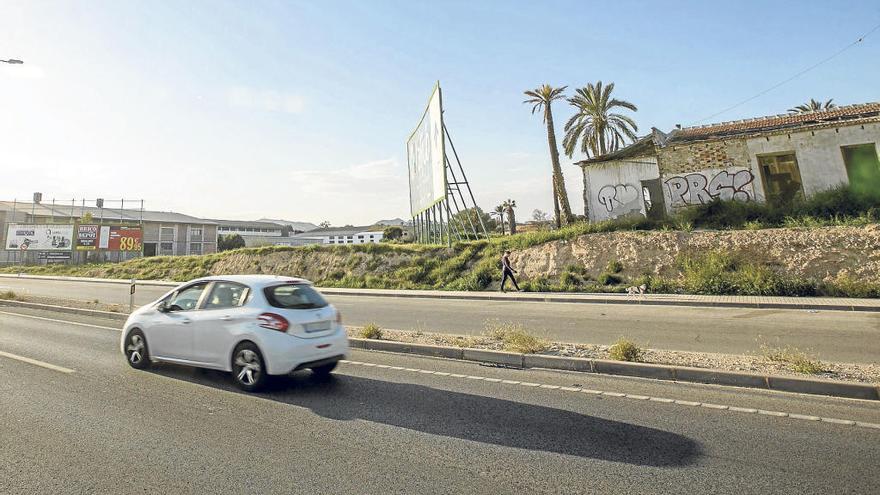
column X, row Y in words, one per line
column 396, row 221
column 301, row 226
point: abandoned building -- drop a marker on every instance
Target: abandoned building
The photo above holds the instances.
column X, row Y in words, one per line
column 779, row 158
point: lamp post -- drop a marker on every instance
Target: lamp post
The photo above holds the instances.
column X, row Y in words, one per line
column 12, row 61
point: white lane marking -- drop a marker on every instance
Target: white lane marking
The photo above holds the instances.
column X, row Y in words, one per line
column 68, row 322
column 35, row 362
column 663, row 400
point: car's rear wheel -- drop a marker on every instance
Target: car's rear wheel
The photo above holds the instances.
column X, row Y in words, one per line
column 325, row 369
column 136, row 351
column 248, row 368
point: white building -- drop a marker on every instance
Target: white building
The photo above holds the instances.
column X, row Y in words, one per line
column 778, row 157
column 342, row 235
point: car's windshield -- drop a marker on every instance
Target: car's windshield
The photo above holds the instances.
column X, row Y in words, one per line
column 294, row 296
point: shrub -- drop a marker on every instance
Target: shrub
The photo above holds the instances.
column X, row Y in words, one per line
column 626, row 350
column 370, row 331
column 614, row 266
column 609, row 279
column 514, row 338
column 9, row 295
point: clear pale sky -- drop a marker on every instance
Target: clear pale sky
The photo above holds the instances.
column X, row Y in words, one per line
column 300, row 110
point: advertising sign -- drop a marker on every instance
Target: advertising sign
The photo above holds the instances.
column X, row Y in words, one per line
column 426, row 158
column 45, row 237
column 54, row 256
column 86, row 237
column 124, row 238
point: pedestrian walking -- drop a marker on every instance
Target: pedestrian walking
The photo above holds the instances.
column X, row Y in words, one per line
column 507, row 272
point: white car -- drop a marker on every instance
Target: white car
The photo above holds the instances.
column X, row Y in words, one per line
column 251, row 325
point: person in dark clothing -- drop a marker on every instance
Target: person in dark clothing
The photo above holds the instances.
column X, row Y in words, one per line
column 507, row 272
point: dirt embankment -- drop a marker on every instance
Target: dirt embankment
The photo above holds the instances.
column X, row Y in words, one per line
column 817, row 253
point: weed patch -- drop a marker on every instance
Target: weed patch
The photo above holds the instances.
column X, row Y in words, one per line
column 626, row 350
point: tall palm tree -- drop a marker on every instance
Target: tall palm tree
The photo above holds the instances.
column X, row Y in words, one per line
column 541, row 99
column 813, row 106
column 499, row 210
column 596, row 125
column 509, row 205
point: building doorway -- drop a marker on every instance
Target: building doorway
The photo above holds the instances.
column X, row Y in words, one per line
column 781, row 177
column 862, row 167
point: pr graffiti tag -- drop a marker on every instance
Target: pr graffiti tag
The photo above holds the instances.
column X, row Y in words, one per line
column 695, row 189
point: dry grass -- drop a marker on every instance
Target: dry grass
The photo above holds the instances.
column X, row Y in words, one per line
column 9, row 296
column 514, row 338
column 794, row 359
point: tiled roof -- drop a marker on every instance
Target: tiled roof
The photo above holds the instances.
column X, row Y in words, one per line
column 777, row 122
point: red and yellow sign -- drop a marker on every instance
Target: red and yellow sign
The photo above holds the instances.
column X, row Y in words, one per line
column 124, row 239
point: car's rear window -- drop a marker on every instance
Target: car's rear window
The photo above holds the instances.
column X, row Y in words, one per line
column 294, row 296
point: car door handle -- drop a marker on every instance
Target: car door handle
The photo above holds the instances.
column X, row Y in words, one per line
column 186, row 321
column 226, row 318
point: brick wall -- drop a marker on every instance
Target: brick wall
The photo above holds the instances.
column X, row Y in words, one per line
column 686, row 158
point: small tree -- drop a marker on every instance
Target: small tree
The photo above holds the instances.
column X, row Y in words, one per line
column 228, row 242
column 540, row 216
column 392, row 233
column 324, row 225
column 470, row 218
column 499, row 212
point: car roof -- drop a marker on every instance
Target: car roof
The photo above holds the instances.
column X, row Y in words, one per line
column 256, row 280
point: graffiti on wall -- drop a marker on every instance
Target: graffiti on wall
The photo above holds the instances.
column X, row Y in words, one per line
column 620, row 199
column 702, row 187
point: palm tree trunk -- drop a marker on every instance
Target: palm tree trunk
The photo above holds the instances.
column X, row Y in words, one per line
column 556, row 218
column 511, row 220
column 558, row 178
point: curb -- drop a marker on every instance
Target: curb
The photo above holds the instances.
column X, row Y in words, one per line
column 534, row 297
column 831, row 388
column 64, row 309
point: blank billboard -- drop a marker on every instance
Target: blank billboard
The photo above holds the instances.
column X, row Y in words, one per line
column 426, row 158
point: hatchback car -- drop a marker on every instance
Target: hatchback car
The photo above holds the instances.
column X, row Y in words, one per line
column 250, row 325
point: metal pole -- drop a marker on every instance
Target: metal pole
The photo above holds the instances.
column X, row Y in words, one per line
column 464, row 178
column 451, row 226
column 131, row 290
column 463, row 202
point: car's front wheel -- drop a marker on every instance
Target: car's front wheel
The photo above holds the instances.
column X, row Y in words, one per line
column 136, row 351
column 248, row 368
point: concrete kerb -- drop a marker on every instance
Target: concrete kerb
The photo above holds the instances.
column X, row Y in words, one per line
column 64, row 309
column 641, row 370
column 810, row 386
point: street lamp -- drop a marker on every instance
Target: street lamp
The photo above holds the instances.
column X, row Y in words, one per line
column 13, row 61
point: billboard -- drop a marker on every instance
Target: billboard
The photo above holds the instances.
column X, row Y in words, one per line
column 108, row 237
column 426, row 158
column 45, row 237
column 86, row 237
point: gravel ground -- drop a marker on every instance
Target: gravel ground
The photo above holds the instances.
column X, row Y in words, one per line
column 757, row 363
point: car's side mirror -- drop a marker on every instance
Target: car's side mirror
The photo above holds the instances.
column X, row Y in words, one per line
column 161, row 307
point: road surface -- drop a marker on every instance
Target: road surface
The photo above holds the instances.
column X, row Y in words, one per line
column 841, row 336
column 77, row 419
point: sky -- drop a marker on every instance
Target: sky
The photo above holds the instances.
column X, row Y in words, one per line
column 301, row 110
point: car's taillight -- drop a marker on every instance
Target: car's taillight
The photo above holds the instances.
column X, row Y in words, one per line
column 273, row 322
column 338, row 317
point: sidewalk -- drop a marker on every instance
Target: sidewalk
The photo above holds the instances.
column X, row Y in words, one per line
column 762, row 302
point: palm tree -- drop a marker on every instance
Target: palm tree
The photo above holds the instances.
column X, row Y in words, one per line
column 509, row 205
column 599, row 129
column 541, row 99
column 499, row 210
column 813, row 106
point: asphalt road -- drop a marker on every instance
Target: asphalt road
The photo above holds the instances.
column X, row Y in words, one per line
column 842, row 336
column 399, row 424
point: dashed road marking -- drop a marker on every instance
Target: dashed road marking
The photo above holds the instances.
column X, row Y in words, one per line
column 36, row 362
column 662, row 400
